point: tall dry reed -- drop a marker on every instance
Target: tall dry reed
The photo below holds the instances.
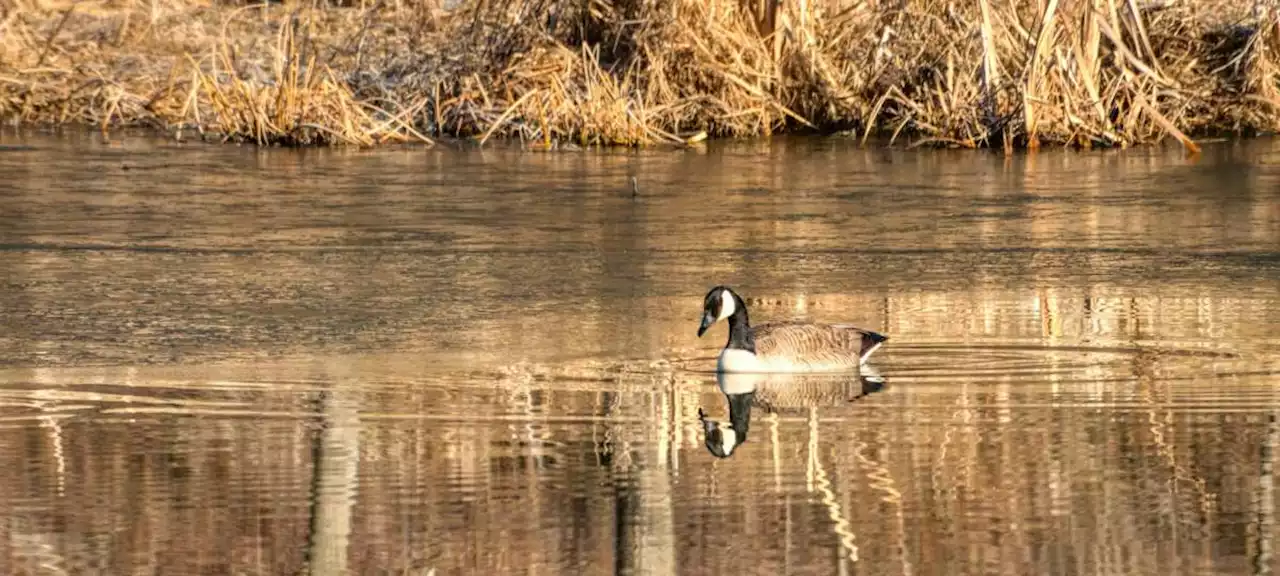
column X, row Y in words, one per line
column 985, row 73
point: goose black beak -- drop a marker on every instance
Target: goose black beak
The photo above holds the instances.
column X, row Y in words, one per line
column 707, row 321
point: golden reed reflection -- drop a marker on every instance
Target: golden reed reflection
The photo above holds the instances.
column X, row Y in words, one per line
column 525, row 398
column 1102, row 465
column 1078, row 423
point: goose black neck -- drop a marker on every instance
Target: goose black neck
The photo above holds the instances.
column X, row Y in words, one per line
column 740, row 337
column 740, row 413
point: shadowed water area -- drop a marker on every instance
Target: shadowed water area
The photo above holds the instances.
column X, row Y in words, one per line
column 224, row 360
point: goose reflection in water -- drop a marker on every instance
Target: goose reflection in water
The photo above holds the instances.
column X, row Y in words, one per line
column 777, row 391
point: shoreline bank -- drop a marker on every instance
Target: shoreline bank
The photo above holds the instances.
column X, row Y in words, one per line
column 1009, row 74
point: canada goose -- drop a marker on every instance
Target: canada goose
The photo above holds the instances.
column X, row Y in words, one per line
column 778, row 391
column 783, row 346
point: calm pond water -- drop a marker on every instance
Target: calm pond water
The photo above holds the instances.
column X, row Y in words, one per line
column 223, row 360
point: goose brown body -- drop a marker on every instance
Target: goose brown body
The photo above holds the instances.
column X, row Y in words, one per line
column 806, row 347
column 787, row 346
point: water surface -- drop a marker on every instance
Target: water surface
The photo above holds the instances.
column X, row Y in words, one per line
column 224, row 360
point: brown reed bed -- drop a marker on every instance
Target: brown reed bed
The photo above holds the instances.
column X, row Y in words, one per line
column 980, row 73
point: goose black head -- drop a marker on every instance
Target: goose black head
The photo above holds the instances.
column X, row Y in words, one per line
column 721, row 441
column 720, row 303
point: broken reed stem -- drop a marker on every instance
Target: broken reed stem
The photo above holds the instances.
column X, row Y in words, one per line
column 1035, row 77
column 990, row 67
column 984, row 74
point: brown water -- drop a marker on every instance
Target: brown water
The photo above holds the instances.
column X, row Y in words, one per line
column 222, row 360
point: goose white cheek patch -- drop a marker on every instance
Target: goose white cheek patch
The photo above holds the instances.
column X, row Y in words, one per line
column 728, row 440
column 727, row 307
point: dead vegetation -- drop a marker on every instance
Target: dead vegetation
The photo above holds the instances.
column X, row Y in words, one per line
column 981, row 73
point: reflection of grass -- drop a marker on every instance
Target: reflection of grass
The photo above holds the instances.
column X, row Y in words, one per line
column 971, row 469
column 988, row 73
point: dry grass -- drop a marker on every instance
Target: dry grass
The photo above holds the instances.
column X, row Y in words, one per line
column 988, row 73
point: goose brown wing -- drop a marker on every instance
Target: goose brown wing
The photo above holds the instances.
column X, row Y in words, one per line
column 808, row 342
